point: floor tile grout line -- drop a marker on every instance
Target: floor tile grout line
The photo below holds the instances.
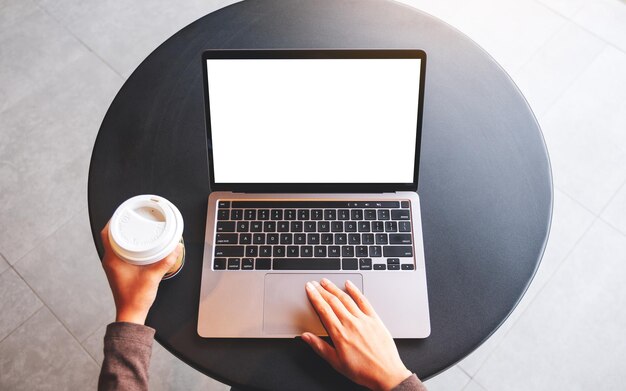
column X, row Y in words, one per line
column 23, row 322
column 559, row 265
column 66, row 28
column 608, row 202
column 571, row 19
column 46, row 237
column 55, row 315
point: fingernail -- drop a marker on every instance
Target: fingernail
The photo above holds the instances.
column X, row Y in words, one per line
column 325, row 281
column 309, row 286
column 348, row 282
column 316, row 283
column 306, row 337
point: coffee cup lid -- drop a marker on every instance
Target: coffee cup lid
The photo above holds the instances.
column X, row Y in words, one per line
column 145, row 229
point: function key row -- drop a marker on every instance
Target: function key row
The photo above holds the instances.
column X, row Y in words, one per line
column 308, row 264
column 313, row 204
column 313, row 214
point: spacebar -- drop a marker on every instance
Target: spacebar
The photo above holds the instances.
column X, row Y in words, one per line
column 306, row 264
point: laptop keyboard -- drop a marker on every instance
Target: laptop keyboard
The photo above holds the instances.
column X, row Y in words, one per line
column 313, row 235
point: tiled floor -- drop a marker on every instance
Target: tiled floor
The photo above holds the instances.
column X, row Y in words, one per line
column 61, row 63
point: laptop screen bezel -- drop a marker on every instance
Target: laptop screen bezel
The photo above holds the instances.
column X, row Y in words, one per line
column 313, row 54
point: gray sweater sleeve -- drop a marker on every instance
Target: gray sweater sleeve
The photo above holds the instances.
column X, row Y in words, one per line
column 411, row 383
column 127, row 351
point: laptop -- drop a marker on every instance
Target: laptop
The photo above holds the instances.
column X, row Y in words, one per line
column 313, row 164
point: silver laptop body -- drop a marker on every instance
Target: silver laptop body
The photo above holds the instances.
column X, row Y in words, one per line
column 313, row 169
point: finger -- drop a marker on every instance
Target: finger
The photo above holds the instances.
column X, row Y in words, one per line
column 324, row 311
column 322, row 348
column 104, row 235
column 360, row 299
column 345, row 299
column 338, row 308
column 166, row 263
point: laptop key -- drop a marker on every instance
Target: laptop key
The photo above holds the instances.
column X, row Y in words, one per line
column 377, row 226
column 354, row 238
column 313, row 239
column 336, row 226
column 380, row 266
column 236, row 214
column 404, row 226
column 381, row 239
column 229, row 251
column 219, row 264
column 299, row 238
column 404, row 204
column 367, row 238
column 307, row 264
column 306, row 251
column 226, row 238
column 391, row 226
column 341, row 238
column 370, row 214
column 225, row 226
column 356, row 214
column 400, row 239
column 252, row 251
column 361, row 251
column 376, row 251
column 265, row 251
column 347, row 251
column 319, row 251
column 393, row 267
column 250, row 214
column 282, row 226
column 269, row 226
column 350, row 226
column 397, row 251
column 364, row 226
column 365, row 264
column 276, row 214
column 245, row 239
column 317, row 214
column 407, row 266
column 247, row 264
column 264, row 214
column 279, row 251
column 258, row 238
column 330, row 214
column 400, row 214
column 293, row 251
column 256, row 226
column 343, row 214
column 296, row 226
column 326, row 239
column 286, row 238
column 290, row 214
column 323, row 226
column 272, row 238
column 303, row 214
column 224, row 204
column 263, row 264
column 243, row 226
column 349, row 264
column 223, row 214
column 233, row 263
column 334, row 251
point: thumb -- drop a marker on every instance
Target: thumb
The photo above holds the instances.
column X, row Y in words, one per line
column 322, row 348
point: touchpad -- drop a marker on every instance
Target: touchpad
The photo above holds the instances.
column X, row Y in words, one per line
column 286, row 307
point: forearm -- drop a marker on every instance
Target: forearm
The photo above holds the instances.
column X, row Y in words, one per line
column 411, row 383
column 127, row 351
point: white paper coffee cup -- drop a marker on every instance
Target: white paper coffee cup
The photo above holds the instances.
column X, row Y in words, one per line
column 145, row 229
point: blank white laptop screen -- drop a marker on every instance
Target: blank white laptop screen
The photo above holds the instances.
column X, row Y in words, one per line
column 313, row 120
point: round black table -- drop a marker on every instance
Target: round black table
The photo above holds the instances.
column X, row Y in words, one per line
column 485, row 182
